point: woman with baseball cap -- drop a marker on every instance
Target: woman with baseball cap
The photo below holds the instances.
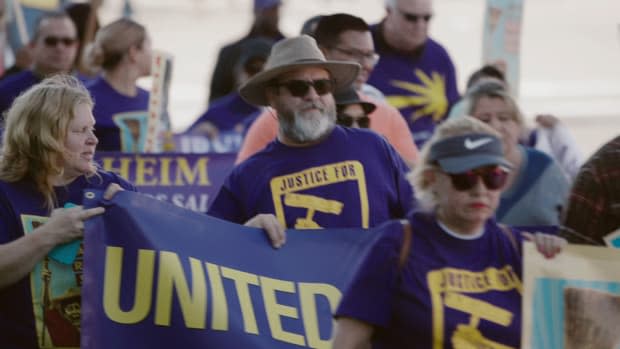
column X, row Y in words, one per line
column 450, row 276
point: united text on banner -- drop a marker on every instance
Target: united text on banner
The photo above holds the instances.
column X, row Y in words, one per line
column 157, row 275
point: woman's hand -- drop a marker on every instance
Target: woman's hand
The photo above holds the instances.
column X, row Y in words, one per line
column 273, row 228
column 548, row 245
column 111, row 190
column 67, row 224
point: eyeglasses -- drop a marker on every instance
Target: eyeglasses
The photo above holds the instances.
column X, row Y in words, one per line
column 414, row 18
column 52, row 41
column 300, row 88
column 360, row 56
column 348, row 120
column 493, row 177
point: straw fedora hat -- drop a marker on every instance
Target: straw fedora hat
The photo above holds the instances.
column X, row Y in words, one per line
column 289, row 54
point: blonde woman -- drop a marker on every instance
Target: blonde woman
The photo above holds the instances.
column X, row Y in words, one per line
column 122, row 51
column 46, row 162
column 536, row 187
column 455, row 280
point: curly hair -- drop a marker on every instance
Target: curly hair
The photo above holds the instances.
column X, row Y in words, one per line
column 35, row 129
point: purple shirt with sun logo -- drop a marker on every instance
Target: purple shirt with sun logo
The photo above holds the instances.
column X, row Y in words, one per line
column 420, row 84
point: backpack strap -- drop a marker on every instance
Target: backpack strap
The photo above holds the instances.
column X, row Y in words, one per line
column 406, row 245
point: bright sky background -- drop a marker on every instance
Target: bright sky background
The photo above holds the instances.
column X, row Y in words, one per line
column 570, row 48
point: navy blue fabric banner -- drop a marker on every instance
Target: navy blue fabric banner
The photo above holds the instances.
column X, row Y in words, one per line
column 187, row 180
column 159, row 276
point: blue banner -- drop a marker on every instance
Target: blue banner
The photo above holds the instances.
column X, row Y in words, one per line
column 187, row 180
column 159, row 276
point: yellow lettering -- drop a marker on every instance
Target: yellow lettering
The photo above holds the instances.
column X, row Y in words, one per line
column 274, row 310
column 112, row 286
column 144, row 167
column 122, row 170
column 164, row 169
column 198, row 171
column 218, row 299
column 242, row 280
column 171, row 275
column 307, row 297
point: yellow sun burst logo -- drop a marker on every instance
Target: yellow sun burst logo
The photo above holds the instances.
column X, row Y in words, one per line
column 430, row 95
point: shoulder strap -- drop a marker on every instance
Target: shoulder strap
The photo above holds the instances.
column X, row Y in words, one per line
column 406, row 245
column 510, row 235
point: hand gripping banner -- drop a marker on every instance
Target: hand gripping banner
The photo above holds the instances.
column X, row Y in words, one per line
column 159, row 276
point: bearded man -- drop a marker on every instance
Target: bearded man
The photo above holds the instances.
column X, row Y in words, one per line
column 314, row 174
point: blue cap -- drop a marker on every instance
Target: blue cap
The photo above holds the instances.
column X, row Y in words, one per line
column 462, row 153
column 260, row 5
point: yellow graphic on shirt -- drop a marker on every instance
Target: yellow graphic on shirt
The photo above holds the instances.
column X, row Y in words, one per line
column 287, row 191
column 429, row 95
column 447, row 287
column 56, row 296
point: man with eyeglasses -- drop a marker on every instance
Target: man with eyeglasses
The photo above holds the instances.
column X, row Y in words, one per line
column 315, row 174
column 344, row 37
column 54, row 47
column 415, row 72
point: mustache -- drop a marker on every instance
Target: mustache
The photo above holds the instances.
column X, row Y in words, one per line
column 312, row 105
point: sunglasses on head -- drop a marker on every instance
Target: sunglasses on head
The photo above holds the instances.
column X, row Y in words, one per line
column 493, row 177
column 300, row 88
column 414, row 18
column 52, row 41
column 347, row 120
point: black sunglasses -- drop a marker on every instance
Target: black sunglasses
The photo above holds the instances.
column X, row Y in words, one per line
column 52, row 41
column 347, row 120
column 300, row 88
column 414, row 18
column 493, row 177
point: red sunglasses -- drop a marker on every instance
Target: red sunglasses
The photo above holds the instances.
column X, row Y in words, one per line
column 493, row 177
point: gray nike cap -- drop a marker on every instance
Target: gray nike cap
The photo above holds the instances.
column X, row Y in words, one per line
column 462, row 153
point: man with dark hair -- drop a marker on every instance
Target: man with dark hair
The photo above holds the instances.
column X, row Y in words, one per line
column 54, row 47
column 344, row 37
column 415, row 72
column 265, row 25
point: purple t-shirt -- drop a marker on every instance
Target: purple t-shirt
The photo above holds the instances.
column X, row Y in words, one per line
column 421, row 85
column 227, row 113
column 22, row 209
column 109, row 103
column 13, row 86
column 353, row 178
column 449, row 289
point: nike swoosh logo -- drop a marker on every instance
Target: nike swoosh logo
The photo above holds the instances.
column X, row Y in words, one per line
column 469, row 144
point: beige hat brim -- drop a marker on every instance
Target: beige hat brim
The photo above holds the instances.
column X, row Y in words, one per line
column 343, row 73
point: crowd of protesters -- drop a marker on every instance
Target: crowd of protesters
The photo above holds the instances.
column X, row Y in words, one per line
column 334, row 136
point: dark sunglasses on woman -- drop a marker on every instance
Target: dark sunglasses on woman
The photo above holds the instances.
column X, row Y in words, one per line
column 348, row 120
column 493, row 177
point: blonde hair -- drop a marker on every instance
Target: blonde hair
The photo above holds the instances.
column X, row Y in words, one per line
column 35, row 130
column 493, row 89
column 112, row 42
column 450, row 128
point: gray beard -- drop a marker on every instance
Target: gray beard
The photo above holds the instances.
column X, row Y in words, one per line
column 300, row 129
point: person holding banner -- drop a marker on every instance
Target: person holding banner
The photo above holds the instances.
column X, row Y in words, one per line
column 46, row 163
column 315, row 174
column 54, row 48
column 122, row 50
column 450, row 276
